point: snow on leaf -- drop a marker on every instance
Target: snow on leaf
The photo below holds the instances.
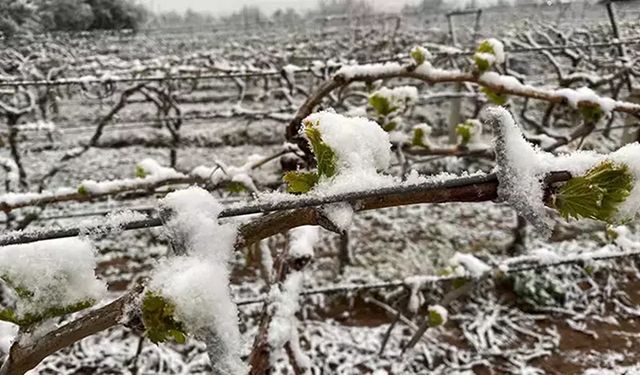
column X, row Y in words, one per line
column 489, row 53
column 419, row 55
column 437, row 316
column 388, row 100
column 421, row 135
column 196, row 281
column 51, row 278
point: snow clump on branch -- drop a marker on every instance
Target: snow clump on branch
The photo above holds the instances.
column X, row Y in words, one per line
column 50, row 278
column 359, row 143
column 349, row 153
column 490, row 52
column 603, row 187
column 398, row 97
column 196, row 281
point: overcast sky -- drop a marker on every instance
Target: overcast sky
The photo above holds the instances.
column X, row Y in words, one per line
column 222, row 7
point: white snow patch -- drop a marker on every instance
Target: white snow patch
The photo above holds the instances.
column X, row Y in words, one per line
column 617, row 370
column 110, row 224
column 340, row 214
column 357, row 71
column 222, row 172
column 283, row 327
column 195, row 215
column 8, row 332
column 58, row 273
column 154, row 173
column 585, row 94
column 302, row 240
column 470, row 263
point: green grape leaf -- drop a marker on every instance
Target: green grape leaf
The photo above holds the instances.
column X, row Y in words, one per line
column 418, row 56
column 326, row 159
column 82, row 190
column 381, row 104
column 486, row 47
column 300, row 182
column 30, row 320
column 464, row 131
column 236, row 187
column 8, row 315
column 140, row 172
column 20, row 290
column 494, row 97
column 597, row 194
column 418, row 136
column 435, row 319
column 178, row 336
column 159, row 321
column 390, row 126
column 482, row 64
column 459, row 282
column 591, row 114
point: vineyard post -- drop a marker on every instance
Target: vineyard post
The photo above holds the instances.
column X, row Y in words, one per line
column 476, row 28
column 611, row 12
column 452, row 31
column 622, row 52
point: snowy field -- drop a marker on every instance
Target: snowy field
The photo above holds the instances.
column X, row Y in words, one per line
column 445, row 209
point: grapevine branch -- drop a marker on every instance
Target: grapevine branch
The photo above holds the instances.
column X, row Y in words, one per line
column 430, row 75
column 12, row 201
column 299, row 210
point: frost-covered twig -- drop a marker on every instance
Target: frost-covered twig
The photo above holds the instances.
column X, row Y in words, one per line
column 25, row 357
column 298, row 210
column 278, row 327
column 499, row 84
column 92, row 190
